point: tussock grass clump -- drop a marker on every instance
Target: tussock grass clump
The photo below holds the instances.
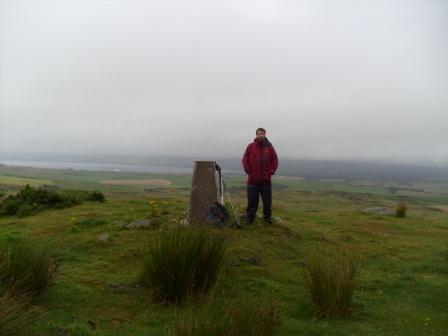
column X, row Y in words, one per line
column 26, row 268
column 16, row 316
column 30, row 200
column 400, row 211
column 182, row 261
column 330, row 282
column 241, row 316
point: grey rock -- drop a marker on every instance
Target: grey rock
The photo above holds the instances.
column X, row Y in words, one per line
column 142, row 223
column 379, row 211
column 62, row 331
column 252, row 260
column 121, row 224
column 277, row 219
column 121, row 287
column 104, row 238
column 126, row 287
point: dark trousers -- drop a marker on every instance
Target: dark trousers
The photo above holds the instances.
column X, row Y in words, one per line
column 253, row 193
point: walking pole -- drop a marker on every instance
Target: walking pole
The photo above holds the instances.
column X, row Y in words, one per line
column 238, row 224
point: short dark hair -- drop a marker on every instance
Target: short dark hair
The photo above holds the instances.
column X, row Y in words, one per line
column 261, row 129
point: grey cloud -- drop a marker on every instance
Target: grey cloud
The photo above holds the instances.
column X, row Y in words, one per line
column 328, row 79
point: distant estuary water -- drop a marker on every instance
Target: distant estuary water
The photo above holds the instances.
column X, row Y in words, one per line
column 99, row 166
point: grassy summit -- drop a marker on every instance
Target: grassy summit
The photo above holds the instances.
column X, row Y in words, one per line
column 403, row 276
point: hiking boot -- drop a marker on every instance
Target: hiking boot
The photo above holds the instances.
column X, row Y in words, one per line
column 267, row 220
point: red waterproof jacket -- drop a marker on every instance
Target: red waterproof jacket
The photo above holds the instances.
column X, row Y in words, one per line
column 260, row 162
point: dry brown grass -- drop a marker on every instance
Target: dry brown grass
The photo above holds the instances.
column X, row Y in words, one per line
column 248, row 316
column 16, row 315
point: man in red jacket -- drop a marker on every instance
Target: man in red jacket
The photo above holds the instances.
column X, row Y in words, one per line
column 259, row 162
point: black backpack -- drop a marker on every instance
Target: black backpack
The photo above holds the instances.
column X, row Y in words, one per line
column 217, row 214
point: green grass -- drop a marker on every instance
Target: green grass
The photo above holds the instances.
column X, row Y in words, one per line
column 401, row 289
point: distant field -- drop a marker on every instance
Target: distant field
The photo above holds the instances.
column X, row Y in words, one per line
column 22, row 181
column 289, row 178
column 441, row 207
column 431, row 193
column 74, row 179
column 139, row 182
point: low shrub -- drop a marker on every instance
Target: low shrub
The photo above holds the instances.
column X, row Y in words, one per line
column 182, row 261
column 16, row 315
column 330, row 282
column 400, row 211
column 30, row 200
column 26, row 268
column 80, row 196
column 95, row 196
column 248, row 316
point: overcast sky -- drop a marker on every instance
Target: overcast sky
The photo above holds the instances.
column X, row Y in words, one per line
column 327, row 79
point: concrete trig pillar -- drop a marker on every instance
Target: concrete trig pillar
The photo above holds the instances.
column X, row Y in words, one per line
column 204, row 191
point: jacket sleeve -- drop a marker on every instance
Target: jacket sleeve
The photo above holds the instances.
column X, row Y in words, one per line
column 274, row 161
column 246, row 160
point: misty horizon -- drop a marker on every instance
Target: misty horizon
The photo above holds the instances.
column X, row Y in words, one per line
column 188, row 160
column 307, row 169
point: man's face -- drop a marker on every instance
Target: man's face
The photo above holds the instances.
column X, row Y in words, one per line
column 261, row 135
